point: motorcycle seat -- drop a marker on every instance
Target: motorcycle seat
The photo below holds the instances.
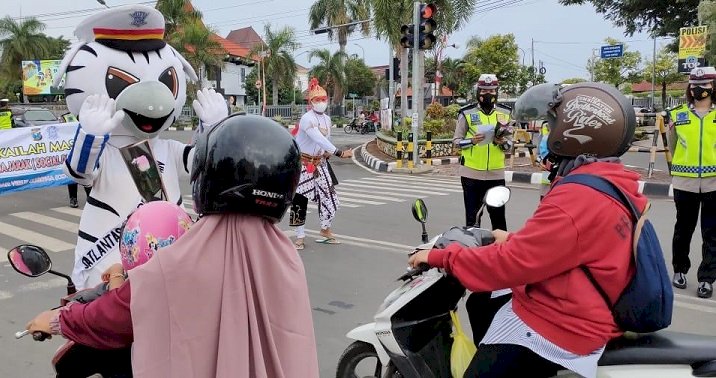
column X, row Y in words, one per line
column 660, row 348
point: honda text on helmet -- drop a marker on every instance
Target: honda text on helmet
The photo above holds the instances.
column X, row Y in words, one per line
column 591, row 119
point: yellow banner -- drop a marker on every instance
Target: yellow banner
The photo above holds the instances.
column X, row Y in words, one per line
column 37, row 77
column 692, row 42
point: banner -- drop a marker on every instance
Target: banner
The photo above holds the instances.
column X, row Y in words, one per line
column 37, row 77
column 32, row 157
column 692, row 46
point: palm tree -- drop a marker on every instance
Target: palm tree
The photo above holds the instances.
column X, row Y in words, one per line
column 176, row 13
column 277, row 56
column 330, row 71
column 200, row 48
column 21, row 40
column 453, row 74
column 339, row 12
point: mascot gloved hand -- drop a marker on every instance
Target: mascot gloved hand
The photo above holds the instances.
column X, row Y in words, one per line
column 210, row 107
column 99, row 115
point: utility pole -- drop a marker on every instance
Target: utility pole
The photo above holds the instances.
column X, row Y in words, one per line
column 591, row 66
column 404, row 83
column 391, row 83
column 534, row 69
column 653, row 76
column 417, row 80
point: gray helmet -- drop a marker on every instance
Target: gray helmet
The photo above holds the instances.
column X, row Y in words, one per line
column 584, row 119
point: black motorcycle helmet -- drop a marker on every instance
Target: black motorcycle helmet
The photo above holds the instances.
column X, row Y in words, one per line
column 246, row 164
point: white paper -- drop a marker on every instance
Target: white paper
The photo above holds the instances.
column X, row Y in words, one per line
column 488, row 131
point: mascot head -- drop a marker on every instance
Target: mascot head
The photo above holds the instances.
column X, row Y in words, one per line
column 121, row 53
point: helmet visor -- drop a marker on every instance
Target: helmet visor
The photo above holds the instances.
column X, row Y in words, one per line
column 536, row 103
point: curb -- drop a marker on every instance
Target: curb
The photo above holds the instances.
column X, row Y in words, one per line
column 535, row 178
column 187, row 128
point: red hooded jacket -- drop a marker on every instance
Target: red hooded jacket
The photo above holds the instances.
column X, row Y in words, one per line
column 574, row 225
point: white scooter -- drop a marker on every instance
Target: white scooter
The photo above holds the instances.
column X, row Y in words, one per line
column 410, row 337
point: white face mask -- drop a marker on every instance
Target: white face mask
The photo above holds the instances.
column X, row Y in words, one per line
column 320, row 106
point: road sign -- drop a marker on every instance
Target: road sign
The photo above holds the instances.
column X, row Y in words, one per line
column 415, row 119
column 352, row 95
column 692, row 45
column 542, row 70
column 612, row 51
column 258, row 84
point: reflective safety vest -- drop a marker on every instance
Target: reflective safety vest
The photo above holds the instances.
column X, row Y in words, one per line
column 5, row 119
column 695, row 153
column 486, row 157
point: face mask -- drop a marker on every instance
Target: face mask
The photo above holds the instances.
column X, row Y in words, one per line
column 487, row 101
column 701, row 93
column 320, row 107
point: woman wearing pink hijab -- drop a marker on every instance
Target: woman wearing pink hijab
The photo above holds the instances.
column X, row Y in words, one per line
column 230, row 298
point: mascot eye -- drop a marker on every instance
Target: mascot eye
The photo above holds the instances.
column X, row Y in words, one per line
column 117, row 80
column 169, row 78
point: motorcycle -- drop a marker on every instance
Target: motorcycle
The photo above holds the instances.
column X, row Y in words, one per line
column 71, row 360
column 363, row 128
column 411, row 334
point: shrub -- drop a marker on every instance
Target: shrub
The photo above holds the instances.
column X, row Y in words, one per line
column 451, row 111
column 435, row 111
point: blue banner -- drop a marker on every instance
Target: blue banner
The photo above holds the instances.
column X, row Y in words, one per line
column 612, row 51
column 32, row 157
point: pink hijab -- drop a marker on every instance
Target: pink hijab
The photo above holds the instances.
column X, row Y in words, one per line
column 228, row 299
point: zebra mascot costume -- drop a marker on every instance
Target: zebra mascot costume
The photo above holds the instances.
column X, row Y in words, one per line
column 126, row 85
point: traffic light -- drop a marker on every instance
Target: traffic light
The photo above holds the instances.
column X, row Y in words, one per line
column 426, row 28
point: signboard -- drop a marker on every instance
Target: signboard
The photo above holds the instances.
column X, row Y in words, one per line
column 352, row 95
column 37, row 77
column 32, row 157
column 612, row 51
column 692, row 45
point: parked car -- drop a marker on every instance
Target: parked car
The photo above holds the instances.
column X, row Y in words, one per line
column 26, row 117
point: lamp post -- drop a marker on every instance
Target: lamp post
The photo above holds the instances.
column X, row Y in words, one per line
column 523, row 55
column 361, row 47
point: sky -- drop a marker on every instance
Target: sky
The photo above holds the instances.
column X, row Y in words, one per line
column 564, row 36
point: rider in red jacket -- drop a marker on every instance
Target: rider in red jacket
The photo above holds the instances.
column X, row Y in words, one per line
column 557, row 319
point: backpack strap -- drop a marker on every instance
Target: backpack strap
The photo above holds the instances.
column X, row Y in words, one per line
column 605, row 186
column 608, row 188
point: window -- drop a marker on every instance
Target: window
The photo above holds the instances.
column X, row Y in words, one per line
column 243, row 74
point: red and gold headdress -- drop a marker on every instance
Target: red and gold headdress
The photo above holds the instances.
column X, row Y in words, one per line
column 315, row 90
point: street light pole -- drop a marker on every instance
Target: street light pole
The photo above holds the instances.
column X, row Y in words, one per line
column 361, row 47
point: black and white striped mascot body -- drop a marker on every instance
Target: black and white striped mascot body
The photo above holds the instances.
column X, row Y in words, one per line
column 126, row 85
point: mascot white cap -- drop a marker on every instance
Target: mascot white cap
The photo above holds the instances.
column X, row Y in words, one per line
column 125, row 84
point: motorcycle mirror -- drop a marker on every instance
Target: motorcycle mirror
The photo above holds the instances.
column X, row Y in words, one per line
column 29, row 260
column 420, row 211
column 497, row 196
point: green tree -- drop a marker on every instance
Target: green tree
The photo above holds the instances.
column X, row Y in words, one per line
column 278, row 62
column 526, row 77
column 286, row 93
column 453, row 72
column 497, row 55
column 21, row 40
column 177, row 13
column 659, row 18
column 362, row 79
column 339, row 12
column 707, row 16
column 330, row 71
column 617, row 71
column 665, row 69
column 573, row 80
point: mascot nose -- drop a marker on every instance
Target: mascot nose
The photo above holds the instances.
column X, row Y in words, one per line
column 150, row 99
column 148, row 106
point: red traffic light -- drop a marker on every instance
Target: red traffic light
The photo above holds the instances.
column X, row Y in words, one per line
column 428, row 11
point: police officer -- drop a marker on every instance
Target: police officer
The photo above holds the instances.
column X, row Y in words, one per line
column 692, row 141
column 6, row 121
column 482, row 161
